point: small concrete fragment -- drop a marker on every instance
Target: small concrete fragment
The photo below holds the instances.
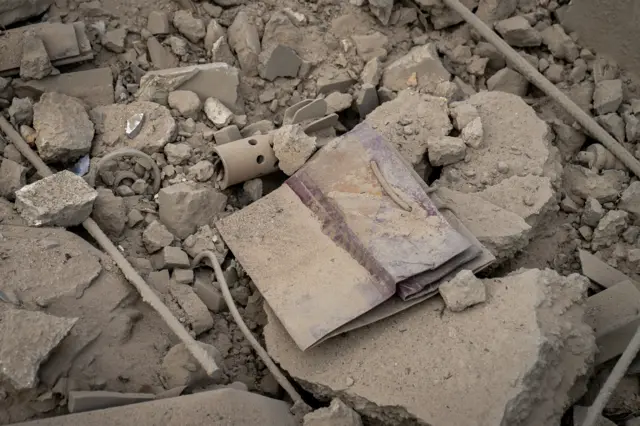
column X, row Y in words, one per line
column 463, row 113
column 183, row 207
column 244, row 40
column 180, row 369
column 221, row 52
column 607, row 96
column 279, row 61
column 409, row 120
column 170, row 258
column 559, row 43
column 186, row 102
column 445, row 150
column 372, row 72
column 473, row 133
column 609, row 229
column 64, row 129
column 177, row 153
column 336, row 414
column 197, row 314
column 210, row 296
column 542, row 334
column 156, row 236
column 158, row 23
column 339, row 81
column 614, row 124
column 206, row 238
column 593, row 212
column 337, row 102
column 227, row 134
column 80, row 401
column 161, row 57
column 26, row 340
column 491, row 11
column 63, row 199
column 217, row 112
column 189, row 26
column 371, row 46
column 183, row 276
column 462, row 291
column 35, row 63
column 157, row 129
column 517, row 31
column 581, row 183
column 569, row 141
column 13, row 176
column 508, row 81
column 110, row 212
column 21, row 112
column 202, row 171
column 292, row 147
column 630, row 199
column 367, row 100
column 381, row 9
column 115, row 40
column 215, row 32
column 422, row 63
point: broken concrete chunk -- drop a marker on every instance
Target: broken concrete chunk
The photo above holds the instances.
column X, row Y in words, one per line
column 582, row 183
column 279, row 61
column 206, row 239
column 21, row 112
column 442, row 16
column 221, row 52
column 158, row 128
column 26, row 340
column 196, row 312
column 607, row 96
column 462, row 291
column 517, row 32
column 445, row 150
column 170, row 258
column 509, row 81
column 371, row 46
column 366, row 100
column 473, row 133
column 115, row 40
column 35, row 63
column 245, row 41
column 337, row 82
column 186, row 102
column 261, row 127
column 543, row 302
column 189, row 26
column 202, row 171
column 110, row 212
column 630, row 199
column 63, row 199
column 559, row 43
column 421, row 64
column 13, row 176
column 372, row 72
column 409, row 120
column 160, row 56
column 215, row 31
column 177, row 153
column 463, row 113
column 337, row 102
column 64, row 129
column 292, row 147
column 183, row 276
column 609, row 229
column 568, row 140
column 614, row 124
column 80, row 401
column 593, row 212
column 17, row 10
column 227, row 134
column 183, row 207
column 336, row 414
column 217, row 112
column 156, row 236
column 158, row 23
column 179, row 368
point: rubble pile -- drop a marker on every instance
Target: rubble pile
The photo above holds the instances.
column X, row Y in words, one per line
column 162, row 121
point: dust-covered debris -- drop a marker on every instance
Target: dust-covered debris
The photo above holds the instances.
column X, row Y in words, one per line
column 421, row 68
column 336, row 414
column 292, row 147
column 13, row 176
column 462, row 291
column 35, row 63
column 180, row 369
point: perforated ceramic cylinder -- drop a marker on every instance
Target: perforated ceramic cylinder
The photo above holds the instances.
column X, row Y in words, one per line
column 244, row 159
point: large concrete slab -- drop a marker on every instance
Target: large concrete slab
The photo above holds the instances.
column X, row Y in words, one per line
column 219, row 407
column 509, row 361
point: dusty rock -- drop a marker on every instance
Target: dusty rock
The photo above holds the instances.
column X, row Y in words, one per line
column 156, row 236
column 189, row 26
column 607, row 96
column 631, row 127
column 421, row 64
column 491, row 11
column 517, row 32
column 110, row 212
column 215, row 31
column 158, row 23
column 21, row 111
column 609, row 229
column 279, row 61
column 593, row 212
column 261, row 127
column 544, row 303
column 336, row 414
column 221, row 52
column 568, row 140
column 462, row 291
column 186, row 102
column 381, row 9
column 445, row 150
column 64, row 129
column 13, row 176
column 183, row 207
column 371, row 46
column 463, row 113
column 409, row 120
column 179, row 46
column 253, row 189
column 217, row 112
column 366, row 100
column 170, row 258
column 292, row 147
column 160, row 56
column 210, row 296
column 202, row 171
column 206, row 238
column 62, row 199
column 26, row 340
column 372, row 72
column 509, row 81
column 245, row 42
column 473, row 133
column 179, row 368
column 158, row 128
column 17, row 10
column 506, row 119
column 339, row 81
column 582, row 183
column 35, row 63
column 177, row 153
column 630, row 199
column 442, row 16
column 559, row 43
column 613, row 124
column 183, row 276
column 337, row 102
column 114, row 40
column 195, row 310
column 227, row 134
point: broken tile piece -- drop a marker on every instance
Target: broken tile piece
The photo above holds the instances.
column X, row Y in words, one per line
column 26, row 339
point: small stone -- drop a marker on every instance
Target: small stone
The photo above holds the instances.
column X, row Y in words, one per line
column 35, row 63
column 179, row 368
column 189, row 26
column 503, row 167
column 178, row 45
column 569, row 206
column 593, row 212
column 630, row 236
column 509, row 81
column 473, row 133
column 366, row 100
column 28, row 134
column 156, row 236
column 63, row 199
column 21, row 111
column 463, row 291
column 371, row 46
column 13, row 176
column 245, row 41
column 559, row 43
column 445, row 150
column 614, row 124
column 423, row 61
column 292, row 147
column 279, row 61
column 227, row 134
column 115, row 40
column 630, row 199
column 607, row 96
column 183, row 276
column 586, row 232
column 337, row 414
column 161, row 58
column 221, row 52
column 206, row 239
column 177, row 153
column 555, row 73
column 202, row 171
column 631, row 127
column 140, row 186
column 186, row 102
column 372, row 72
column 213, row 10
column 210, row 296
column 609, row 229
column 340, row 82
column 134, row 217
column 381, row 9
column 217, row 112
column 158, row 23
column 170, row 258
column 462, row 114
column 253, row 189
column 215, row 31
column 337, row 102
column 110, row 212
column 478, row 66
column 517, row 32
column 196, row 312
